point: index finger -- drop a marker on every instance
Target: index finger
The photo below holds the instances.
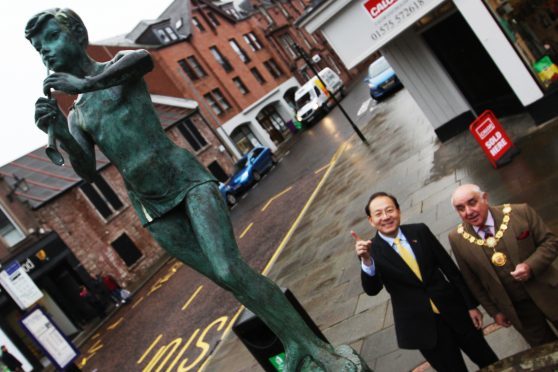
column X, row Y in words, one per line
column 355, row 235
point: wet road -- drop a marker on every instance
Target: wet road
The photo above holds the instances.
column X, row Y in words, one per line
column 178, row 317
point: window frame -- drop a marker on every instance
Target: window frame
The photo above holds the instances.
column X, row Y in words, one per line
column 15, row 226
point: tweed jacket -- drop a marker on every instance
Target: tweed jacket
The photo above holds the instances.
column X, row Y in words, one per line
column 527, row 240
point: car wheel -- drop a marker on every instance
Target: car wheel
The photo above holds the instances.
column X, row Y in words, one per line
column 231, row 199
column 257, row 176
column 274, row 159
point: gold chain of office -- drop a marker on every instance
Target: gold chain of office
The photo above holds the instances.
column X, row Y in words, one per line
column 498, row 258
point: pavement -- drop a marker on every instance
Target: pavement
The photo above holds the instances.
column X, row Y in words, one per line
column 316, row 260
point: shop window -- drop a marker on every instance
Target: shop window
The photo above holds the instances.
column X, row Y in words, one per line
column 531, row 26
column 257, row 75
column 239, row 51
column 192, row 135
column 240, row 85
column 224, row 62
column 103, row 197
column 273, row 68
column 244, row 139
column 197, row 24
column 252, row 40
column 10, row 232
column 126, row 249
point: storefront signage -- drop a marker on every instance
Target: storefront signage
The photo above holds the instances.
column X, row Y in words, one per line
column 19, row 285
column 490, row 134
column 51, row 340
column 391, row 17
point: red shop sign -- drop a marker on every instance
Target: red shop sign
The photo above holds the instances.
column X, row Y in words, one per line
column 494, row 141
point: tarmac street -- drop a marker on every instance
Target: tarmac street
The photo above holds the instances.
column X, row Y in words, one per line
column 405, row 158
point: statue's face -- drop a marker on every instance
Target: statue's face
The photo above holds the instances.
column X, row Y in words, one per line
column 57, row 47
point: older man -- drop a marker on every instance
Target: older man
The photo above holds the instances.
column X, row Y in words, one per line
column 509, row 259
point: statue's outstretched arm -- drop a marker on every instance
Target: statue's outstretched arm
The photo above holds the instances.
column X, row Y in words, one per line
column 126, row 66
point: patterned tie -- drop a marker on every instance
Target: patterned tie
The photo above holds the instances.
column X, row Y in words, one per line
column 487, row 231
column 413, row 265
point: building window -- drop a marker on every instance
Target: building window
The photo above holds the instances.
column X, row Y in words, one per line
column 213, row 104
column 531, row 27
column 126, row 249
column 251, row 39
column 273, row 68
column 10, row 232
column 213, row 19
column 257, row 75
column 162, row 36
column 221, row 99
column 221, row 59
column 192, row 135
column 192, row 68
column 197, row 24
column 240, row 85
column 238, row 50
column 102, row 196
column 288, row 44
column 171, row 33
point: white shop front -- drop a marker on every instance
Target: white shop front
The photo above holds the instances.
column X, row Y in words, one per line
column 456, row 58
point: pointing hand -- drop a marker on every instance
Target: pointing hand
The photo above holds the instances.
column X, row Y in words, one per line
column 362, row 248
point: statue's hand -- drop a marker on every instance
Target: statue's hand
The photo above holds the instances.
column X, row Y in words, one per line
column 64, row 82
column 47, row 113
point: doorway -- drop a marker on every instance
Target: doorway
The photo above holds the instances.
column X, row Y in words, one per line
column 471, row 68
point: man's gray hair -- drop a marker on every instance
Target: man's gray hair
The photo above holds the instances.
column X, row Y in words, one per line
column 476, row 190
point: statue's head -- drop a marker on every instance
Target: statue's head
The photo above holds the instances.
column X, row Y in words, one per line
column 66, row 18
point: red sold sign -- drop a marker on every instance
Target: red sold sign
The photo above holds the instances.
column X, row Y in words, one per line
column 494, row 141
column 377, row 7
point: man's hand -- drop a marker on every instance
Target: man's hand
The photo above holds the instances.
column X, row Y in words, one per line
column 522, row 272
column 66, row 83
column 476, row 317
column 362, row 248
column 501, row 320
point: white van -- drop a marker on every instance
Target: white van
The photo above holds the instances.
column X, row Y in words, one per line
column 311, row 99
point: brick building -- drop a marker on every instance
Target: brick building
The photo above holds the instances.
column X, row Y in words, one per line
column 240, row 67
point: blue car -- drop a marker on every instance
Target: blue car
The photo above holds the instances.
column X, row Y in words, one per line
column 381, row 79
column 248, row 170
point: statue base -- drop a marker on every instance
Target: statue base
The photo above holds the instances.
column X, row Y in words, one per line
column 354, row 362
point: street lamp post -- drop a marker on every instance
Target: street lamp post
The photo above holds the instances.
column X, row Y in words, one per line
column 303, row 55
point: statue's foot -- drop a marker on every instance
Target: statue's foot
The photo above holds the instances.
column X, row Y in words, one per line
column 342, row 359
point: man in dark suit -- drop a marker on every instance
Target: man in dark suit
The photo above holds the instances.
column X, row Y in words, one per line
column 433, row 310
column 509, row 259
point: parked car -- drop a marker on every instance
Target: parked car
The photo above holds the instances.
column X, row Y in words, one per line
column 381, row 79
column 248, row 170
column 311, row 99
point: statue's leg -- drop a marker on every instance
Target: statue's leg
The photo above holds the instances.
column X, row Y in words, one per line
column 210, row 221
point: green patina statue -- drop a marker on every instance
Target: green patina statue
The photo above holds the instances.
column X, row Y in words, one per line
column 175, row 197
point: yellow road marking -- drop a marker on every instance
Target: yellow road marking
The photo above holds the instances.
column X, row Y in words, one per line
column 96, row 335
column 322, row 168
column 137, row 302
column 192, row 297
column 149, row 349
column 246, row 230
column 275, row 197
column 285, row 240
column 310, row 200
column 115, row 324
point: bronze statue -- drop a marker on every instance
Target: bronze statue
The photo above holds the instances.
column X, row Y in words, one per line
column 175, row 197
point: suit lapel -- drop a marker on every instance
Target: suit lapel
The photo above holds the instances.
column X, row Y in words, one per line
column 509, row 236
column 417, row 248
column 392, row 258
